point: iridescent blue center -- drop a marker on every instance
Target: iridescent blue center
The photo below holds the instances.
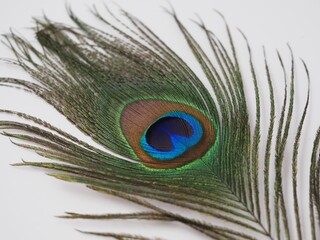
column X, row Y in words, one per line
column 171, row 135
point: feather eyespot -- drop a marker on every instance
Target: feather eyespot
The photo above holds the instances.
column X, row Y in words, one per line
column 166, row 134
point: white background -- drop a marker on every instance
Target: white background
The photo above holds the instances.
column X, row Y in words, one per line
column 29, row 199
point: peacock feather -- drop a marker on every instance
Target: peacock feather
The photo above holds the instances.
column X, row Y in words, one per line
column 170, row 139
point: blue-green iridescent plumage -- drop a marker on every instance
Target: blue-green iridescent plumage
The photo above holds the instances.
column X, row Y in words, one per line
column 171, row 135
column 132, row 94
